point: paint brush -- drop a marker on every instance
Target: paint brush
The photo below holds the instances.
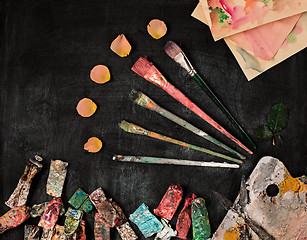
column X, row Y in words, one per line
column 132, row 128
column 176, row 53
column 148, row 71
column 157, row 160
column 144, row 101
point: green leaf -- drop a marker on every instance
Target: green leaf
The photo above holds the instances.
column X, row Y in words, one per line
column 278, row 117
column 264, row 132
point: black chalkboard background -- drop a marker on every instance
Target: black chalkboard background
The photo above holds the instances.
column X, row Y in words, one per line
column 47, row 51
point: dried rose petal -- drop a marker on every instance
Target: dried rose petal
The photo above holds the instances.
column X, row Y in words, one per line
column 121, row 46
column 100, row 74
column 86, row 107
column 93, row 145
column 156, row 28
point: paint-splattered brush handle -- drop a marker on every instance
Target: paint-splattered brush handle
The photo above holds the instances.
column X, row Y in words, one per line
column 195, row 130
column 218, row 103
column 157, row 160
column 132, row 128
column 179, row 96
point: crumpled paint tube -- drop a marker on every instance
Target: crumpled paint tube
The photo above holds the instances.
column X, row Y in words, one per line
column 80, row 233
column 47, row 234
column 38, row 210
column 51, row 214
column 80, row 200
column 72, row 221
column 146, row 221
column 58, row 233
column 104, row 207
column 167, row 232
column 123, row 227
column 184, row 219
column 13, row 218
column 56, row 178
column 31, row 232
column 169, row 202
column 200, row 220
column 21, row 192
column 101, row 228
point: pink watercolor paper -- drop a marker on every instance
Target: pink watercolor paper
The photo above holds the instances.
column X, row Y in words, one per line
column 253, row 66
column 228, row 17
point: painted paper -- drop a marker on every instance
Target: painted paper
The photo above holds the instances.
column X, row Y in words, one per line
column 59, row 233
column 38, row 210
column 103, row 206
column 72, row 221
column 51, row 214
column 228, row 17
column 253, row 66
column 47, row 234
column 184, row 218
column 200, row 220
column 169, row 202
column 20, row 194
column 146, row 221
column 13, row 218
column 167, row 232
column 101, row 228
column 57, row 175
column 31, row 232
column 80, row 200
column 283, row 214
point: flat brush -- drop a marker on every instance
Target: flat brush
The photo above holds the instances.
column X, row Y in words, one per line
column 176, row 53
column 144, row 101
column 157, row 160
column 132, row 128
column 148, row 71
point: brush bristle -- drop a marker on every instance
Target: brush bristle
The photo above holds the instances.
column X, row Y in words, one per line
column 134, row 95
column 172, row 49
column 141, row 66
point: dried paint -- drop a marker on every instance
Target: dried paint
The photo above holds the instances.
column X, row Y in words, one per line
column 47, row 234
column 31, row 232
column 51, row 214
column 80, row 200
column 101, row 228
column 14, row 217
column 251, row 61
column 169, row 202
column 59, row 233
column 20, row 194
column 120, row 215
column 103, row 206
column 184, row 218
column 72, row 221
column 148, row 71
column 56, row 178
column 167, row 232
column 200, row 220
column 146, row 221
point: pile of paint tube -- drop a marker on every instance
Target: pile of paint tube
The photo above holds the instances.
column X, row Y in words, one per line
column 108, row 215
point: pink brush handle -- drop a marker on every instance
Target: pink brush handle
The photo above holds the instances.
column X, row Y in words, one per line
column 179, row 96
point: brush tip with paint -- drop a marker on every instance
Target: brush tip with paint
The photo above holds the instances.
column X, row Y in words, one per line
column 172, row 49
column 141, row 66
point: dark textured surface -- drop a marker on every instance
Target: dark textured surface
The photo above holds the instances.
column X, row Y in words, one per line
column 47, row 50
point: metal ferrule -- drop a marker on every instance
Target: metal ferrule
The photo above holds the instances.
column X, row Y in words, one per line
column 184, row 62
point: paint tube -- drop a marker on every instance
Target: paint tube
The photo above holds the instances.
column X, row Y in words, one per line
column 167, row 232
column 56, row 178
column 72, row 221
column 31, row 232
column 80, row 200
column 101, row 228
column 51, row 214
column 200, row 220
